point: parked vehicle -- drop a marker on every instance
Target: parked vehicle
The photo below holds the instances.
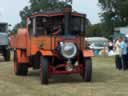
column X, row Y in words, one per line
column 54, row 43
column 4, row 41
column 98, row 44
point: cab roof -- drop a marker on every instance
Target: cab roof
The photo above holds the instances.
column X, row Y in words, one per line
column 52, row 14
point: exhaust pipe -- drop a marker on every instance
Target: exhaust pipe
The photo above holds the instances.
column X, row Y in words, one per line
column 67, row 19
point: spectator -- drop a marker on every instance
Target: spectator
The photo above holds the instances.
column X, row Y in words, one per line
column 123, row 47
column 110, row 48
column 117, row 50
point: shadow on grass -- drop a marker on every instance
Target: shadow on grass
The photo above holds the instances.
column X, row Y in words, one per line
column 74, row 78
column 98, row 77
column 68, row 79
column 34, row 73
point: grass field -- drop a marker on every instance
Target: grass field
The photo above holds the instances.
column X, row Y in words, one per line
column 107, row 81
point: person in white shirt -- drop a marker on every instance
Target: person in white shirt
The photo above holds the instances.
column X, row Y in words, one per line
column 121, row 54
column 117, row 50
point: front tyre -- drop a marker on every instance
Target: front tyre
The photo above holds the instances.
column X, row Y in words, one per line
column 44, row 70
column 87, row 70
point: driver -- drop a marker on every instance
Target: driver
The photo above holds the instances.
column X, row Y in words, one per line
column 57, row 30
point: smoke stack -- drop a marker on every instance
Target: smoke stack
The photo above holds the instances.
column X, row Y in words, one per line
column 67, row 19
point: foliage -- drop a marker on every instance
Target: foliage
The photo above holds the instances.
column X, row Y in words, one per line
column 14, row 30
column 97, row 30
column 114, row 14
column 94, row 30
column 39, row 5
column 36, row 6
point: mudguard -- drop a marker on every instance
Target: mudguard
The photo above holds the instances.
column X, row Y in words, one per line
column 88, row 53
column 22, row 57
column 46, row 53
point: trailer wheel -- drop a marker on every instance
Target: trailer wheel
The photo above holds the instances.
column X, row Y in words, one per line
column 19, row 69
column 44, row 70
column 87, row 70
column 7, row 55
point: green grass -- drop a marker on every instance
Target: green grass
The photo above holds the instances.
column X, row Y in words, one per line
column 107, row 81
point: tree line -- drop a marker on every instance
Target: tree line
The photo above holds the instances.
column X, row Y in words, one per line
column 114, row 14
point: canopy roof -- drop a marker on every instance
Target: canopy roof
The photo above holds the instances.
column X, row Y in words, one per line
column 54, row 12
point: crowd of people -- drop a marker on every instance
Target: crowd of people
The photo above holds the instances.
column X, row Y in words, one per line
column 120, row 48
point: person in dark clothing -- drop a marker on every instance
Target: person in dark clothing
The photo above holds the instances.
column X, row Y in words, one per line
column 118, row 62
column 123, row 47
column 110, row 46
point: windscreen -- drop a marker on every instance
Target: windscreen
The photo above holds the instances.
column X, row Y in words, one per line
column 49, row 26
column 76, row 26
column 3, row 27
column 55, row 26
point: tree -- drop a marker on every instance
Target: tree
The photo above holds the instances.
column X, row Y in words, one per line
column 40, row 5
column 114, row 14
column 94, row 30
column 36, row 6
column 23, row 14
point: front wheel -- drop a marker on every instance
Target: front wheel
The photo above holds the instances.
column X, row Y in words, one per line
column 87, row 70
column 44, row 70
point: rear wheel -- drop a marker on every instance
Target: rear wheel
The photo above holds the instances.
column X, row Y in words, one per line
column 44, row 70
column 87, row 70
column 19, row 69
column 6, row 55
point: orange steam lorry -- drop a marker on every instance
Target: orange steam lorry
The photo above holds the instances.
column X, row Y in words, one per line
column 54, row 43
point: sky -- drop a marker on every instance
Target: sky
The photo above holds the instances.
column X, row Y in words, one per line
column 9, row 10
